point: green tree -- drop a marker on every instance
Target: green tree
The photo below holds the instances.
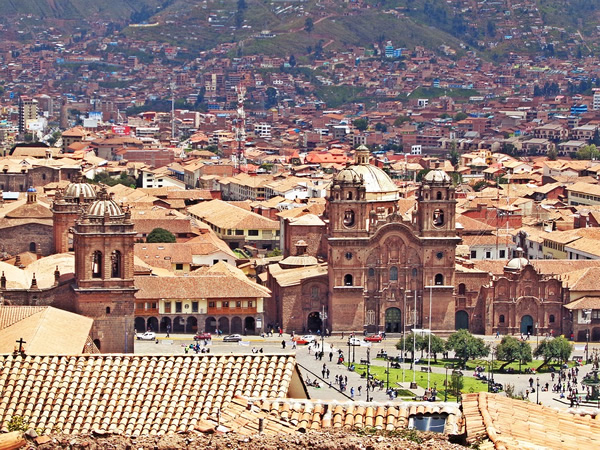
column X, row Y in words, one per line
column 456, row 383
column 379, row 126
column 400, row 120
column 421, row 174
column 480, row 185
column 309, row 25
column 408, row 345
column 511, row 349
column 460, row 116
column 438, row 345
column 588, row 152
column 466, row 346
column 271, row 97
column 454, row 155
column 292, row 61
column 558, row 349
column 361, row 124
column 552, row 154
column 160, row 235
column 273, row 253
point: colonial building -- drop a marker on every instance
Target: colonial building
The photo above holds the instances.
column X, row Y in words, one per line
column 381, row 265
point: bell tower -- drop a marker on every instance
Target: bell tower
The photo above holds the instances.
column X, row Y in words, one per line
column 104, row 239
column 437, row 232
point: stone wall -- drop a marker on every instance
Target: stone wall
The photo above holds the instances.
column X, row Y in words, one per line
column 17, row 239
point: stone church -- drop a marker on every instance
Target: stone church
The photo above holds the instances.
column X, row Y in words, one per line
column 381, row 265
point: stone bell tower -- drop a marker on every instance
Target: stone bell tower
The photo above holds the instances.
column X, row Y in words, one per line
column 104, row 288
column 437, row 232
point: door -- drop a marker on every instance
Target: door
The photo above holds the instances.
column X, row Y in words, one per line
column 461, row 320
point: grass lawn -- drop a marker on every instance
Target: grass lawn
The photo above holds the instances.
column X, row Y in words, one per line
column 437, row 380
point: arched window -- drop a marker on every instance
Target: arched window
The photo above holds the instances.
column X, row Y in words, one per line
column 414, row 273
column 97, row 264
column 348, row 280
column 438, row 195
column 371, row 272
column 501, row 318
column 115, row 264
column 462, row 289
column 349, row 195
column 439, row 279
column 108, row 310
column 393, row 273
column 349, row 218
column 551, row 318
column 32, row 247
column 438, row 218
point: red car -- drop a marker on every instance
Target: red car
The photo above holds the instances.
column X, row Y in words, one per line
column 374, row 338
column 202, row 337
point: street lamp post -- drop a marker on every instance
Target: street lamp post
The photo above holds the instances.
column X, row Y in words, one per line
column 323, row 318
column 537, row 334
column 348, row 352
column 387, row 373
column 429, row 345
column 587, row 346
column 404, row 337
column 368, row 373
column 537, row 401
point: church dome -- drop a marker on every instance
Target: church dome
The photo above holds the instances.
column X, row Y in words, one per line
column 80, row 188
column 437, row 176
column 517, row 263
column 109, row 207
column 377, row 183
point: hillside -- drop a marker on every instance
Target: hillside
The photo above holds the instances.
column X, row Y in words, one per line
column 309, row 27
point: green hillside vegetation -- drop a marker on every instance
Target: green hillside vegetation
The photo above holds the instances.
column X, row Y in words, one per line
column 431, row 92
column 79, row 9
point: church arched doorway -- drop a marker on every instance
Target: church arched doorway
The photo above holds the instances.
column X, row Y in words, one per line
column 527, row 324
column 250, row 325
column 139, row 324
column 164, row 323
column 393, row 320
column 461, row 320
column 314, row 322
column 236, row 325
column 191, row 325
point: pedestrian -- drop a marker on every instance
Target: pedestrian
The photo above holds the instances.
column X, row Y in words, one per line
column 283, row 344
column 342, row 335
column 326, row 332
column 346, row 379
column 330, row 356
column 327, row 373
column 359, row 390
column 323, row 372
column 352, row 393
column 294, row 345
column 168, row 330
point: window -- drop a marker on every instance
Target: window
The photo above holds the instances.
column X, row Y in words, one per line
column 194, row 307
column 225, row 304
column 501, row 318
column 502, row 254
column 462, row 289
column 215, row 261
column 97, row 264
column 438, row 218
column 250, row 304
column 473, row 254
column 115, row 264
column 393, row 273
column 488, row 254
column 551, row 318
column 32, row 247
column 438, row 195
column 167, row 307
column 211, row 304
column 238, row 304
column 178, row 266
column 348, row 280
column 314, row 292
column 371, row 272
column 415, row 272
column 349, row 256
column 252, row 232
column 178, row 307
column 435, row 423
column 348, row 218
column 108, row 310
column 239, row 232
column 439, row 279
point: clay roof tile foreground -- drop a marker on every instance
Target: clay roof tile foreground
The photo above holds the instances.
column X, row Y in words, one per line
column 136, row 394
column 518, row 424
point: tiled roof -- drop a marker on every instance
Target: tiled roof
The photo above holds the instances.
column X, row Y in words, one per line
column 228, row 216
column 279, row 416
column 514, row 424
column 10, row 315
column 134, row 394
column 584, row 303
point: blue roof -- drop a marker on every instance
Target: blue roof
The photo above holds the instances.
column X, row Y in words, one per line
column 31, row 189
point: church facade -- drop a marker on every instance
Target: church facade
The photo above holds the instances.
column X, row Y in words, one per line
column 385, row 270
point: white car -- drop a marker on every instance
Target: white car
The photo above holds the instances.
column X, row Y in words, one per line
column 147, row 336
column 354, row 341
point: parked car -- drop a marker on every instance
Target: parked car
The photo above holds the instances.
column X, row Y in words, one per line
column 374, row 338
column 306, row 339
column 354, row 341
column 232, row 338
column 202, row 337
column 147, row 336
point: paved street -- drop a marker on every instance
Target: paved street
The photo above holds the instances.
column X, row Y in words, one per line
column 312, row 368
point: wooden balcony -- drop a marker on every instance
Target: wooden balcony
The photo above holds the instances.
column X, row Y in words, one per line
column 231, row 311
column 146, row 312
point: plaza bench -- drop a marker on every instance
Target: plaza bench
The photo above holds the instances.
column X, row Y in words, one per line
column 425, row 369
column 364, row 361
